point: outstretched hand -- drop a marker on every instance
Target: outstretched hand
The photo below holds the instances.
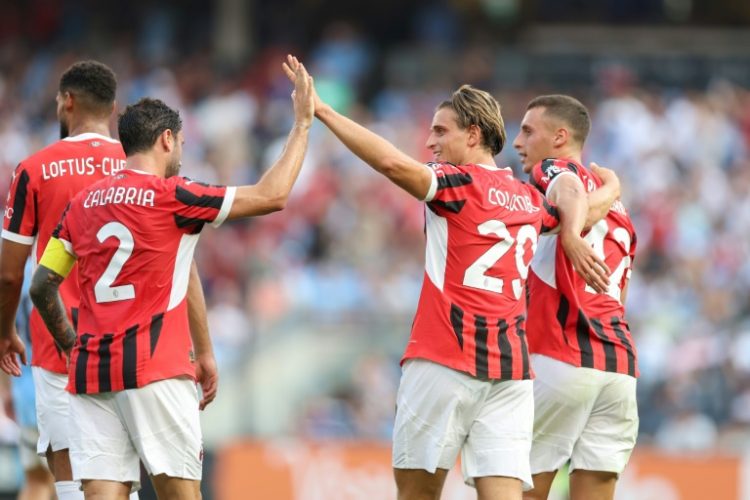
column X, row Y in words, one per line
column 586, row 263
column 304, row 87
column 9, row 348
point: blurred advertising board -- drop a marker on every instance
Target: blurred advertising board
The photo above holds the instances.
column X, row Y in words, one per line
column 304, row 470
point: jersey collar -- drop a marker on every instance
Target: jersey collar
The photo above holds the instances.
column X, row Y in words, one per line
column 90, row 135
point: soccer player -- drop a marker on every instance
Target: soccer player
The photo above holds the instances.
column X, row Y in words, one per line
column 133, row 235
column 582, row 352
column 42, row 186
column 466, row 382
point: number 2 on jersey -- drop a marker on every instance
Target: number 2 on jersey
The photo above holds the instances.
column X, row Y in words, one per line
column 595, row 238
column 103, row 289
column 475, row 275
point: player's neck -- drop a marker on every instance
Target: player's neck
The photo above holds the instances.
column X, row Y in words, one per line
column 145, row 162
column 88, row 127
column 570, row 154
column 479, row 158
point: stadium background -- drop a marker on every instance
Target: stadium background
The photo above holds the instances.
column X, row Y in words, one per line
column 310, row 308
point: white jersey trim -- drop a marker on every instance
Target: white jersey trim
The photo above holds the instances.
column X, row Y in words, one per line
column 226, row 206
column 436, row 249
column 553, row 181
column 18, row 238
column 433, row 186
column 543, row 262
column 181, row 275
column 90, row 135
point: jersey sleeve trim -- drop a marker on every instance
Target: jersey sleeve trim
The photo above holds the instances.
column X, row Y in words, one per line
column 57, row 257
column 17, row 238
column 553, row 181
column 226, row 206
column 433, row 186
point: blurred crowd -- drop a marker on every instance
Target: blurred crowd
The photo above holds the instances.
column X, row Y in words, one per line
column 345, row 259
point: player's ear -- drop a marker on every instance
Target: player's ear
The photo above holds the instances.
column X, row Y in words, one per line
column 475, row 135
column 167, row 140
column 561, row 137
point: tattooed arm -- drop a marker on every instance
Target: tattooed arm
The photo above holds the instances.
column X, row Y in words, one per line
column 44, row 293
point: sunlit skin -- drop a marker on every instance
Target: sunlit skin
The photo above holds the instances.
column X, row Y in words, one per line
column 175, row 161
column 447, row 141
column 541, row 137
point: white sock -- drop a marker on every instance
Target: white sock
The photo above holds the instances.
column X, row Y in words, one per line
column 134, row 495
column 68, row 490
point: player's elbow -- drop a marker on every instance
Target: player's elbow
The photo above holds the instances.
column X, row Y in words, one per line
column 11, row 279
column 277, row 202
column 389, row 166
column 37, row 292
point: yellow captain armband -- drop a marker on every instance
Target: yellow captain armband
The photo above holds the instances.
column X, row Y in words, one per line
column 57, row 258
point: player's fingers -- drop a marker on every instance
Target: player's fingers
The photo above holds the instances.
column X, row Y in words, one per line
column 289, row 72
column 22, row 355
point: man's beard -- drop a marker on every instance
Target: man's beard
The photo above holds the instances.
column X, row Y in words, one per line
column 64, row 132
column 173, row 168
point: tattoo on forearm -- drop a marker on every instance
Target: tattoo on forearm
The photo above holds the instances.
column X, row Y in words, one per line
column 44, row 294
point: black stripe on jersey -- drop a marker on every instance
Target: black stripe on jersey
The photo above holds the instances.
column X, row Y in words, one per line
column 19, row 202
column 453, row 180
column 457, row 321
column 105, row 359
column 584, row 341
column 58, row 227
column 480, row 324
column 552, row 211
column 563, row 309
column 197, row 223
column 610, row 355
column 521, row 332
column 506, row 351
column 535, row 184
column 74, row 317
column 82, row 363
column 193, row 200
column 130, row 358
column 615, row 322
column 155, row 330
column 451, row 206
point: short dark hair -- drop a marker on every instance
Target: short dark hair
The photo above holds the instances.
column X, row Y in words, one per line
column 477, row 107
column 93, row 83
column 143, row 122
column 568, row 109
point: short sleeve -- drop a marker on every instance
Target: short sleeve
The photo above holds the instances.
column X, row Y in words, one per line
column 448, row 192
column 19, row 220
column 197, row 203
column 545, row 172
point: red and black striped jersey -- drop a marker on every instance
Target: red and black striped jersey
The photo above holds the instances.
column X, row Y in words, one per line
column 134, row 235
column 482, row 226
column 42, row 186
column 568, row 320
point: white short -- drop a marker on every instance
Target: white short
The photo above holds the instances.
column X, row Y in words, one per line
column 587, row 416
column 441, row 412
column 52, row 410
column 158, row 424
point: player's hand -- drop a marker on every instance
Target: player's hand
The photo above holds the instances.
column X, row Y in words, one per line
column 208, row 378
column 607, row 176
column 586, row 263
column 9, row 348
column 291, row 67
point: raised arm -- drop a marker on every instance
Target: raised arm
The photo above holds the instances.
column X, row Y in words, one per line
column 205, row 363
column 12, row 261
column 271, row 192
column 403, row 170
column 601, row 199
